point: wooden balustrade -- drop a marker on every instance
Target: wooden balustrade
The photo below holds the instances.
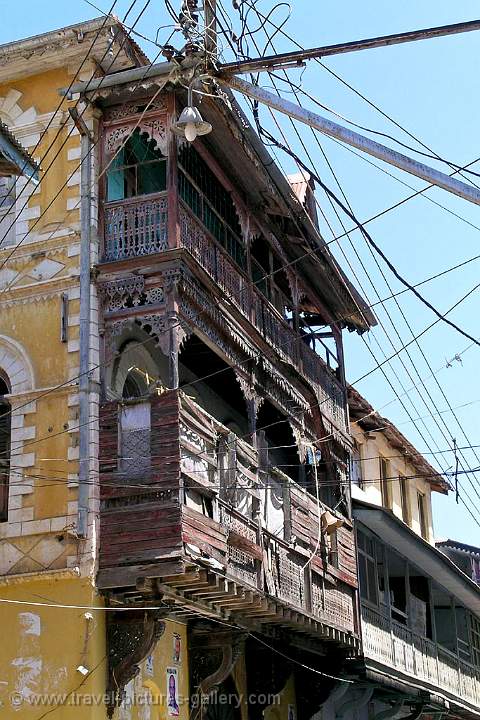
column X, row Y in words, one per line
column 138, row 227
column 135, row 227
column 398, row 647
column 263, row 316
column 255, row 551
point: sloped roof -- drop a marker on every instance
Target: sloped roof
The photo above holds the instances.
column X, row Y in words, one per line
column 14, row 159
column 461, row 547
column 55, row 48
column 371, row 421
column 265, row 189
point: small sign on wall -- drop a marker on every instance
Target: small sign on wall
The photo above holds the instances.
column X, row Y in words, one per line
column 177, row 649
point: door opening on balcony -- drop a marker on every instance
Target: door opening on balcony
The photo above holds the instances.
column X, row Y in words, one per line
column 268, row 276
column 141, row 369
column 202, row 191
column 138, row 169
column 281, row 447
column 213, row 385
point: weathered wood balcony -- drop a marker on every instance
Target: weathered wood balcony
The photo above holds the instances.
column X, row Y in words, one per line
column 189, row 512
column 389, row 643
column 139, row 227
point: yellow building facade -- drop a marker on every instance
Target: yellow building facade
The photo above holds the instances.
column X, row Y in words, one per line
column 389, row 472
column 54, row 654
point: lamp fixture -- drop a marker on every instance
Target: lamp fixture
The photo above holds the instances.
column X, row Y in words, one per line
column 330, row 522
column 190, row 124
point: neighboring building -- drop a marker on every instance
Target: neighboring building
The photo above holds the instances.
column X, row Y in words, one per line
column 466, row 557
column 420, row 614
column 388, row 471
column 211, row 501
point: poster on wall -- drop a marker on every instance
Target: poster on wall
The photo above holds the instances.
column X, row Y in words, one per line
column 177, row 648
column 173, row 708
column 149, row 665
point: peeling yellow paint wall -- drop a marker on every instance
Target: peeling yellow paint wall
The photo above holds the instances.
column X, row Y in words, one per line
column 44, row 646
column 39, row 268
column 147, row 695
column 285, row 707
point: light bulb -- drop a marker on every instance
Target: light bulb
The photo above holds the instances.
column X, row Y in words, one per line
column 190, row 132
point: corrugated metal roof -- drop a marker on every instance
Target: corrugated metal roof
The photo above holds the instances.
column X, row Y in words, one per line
column 14, row 159
column 462, row 547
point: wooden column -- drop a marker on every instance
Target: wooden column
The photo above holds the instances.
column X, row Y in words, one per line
column 174, row 240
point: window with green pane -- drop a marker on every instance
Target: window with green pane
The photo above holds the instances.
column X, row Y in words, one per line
column 138, row 169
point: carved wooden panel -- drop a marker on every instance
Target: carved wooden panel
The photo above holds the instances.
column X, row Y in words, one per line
column 136, row 228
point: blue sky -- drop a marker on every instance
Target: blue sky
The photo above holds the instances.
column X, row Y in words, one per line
column 430, row 88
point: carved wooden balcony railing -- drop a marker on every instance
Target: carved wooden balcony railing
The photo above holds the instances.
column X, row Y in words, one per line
column 389, row 643
column 135, row 227
column 138, row 227
column 204, row 501
column 263, row 316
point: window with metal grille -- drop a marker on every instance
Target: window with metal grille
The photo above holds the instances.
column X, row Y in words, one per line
column 357, row 466
column 205, row 195
column 5, row 439
column 138, row 169
column 135, row 452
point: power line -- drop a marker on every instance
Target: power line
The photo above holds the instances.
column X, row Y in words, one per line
column 403, row 315
column 350, row 87
column 46, row 171
column 42, row 135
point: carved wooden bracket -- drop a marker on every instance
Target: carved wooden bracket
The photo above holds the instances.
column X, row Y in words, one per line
column 130, row 638
column 212, row 655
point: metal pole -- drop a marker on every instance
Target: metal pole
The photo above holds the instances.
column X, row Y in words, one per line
column 298, row 56
column 85, row 288
column 382, row 152
column 211, row 26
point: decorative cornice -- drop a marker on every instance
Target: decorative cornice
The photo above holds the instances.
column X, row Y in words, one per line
column 18, row 296
column 63, row 574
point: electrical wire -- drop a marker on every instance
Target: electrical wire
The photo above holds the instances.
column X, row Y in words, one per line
column 373, row 285
column 336, row 179
column 350, row 87
column 57, row 154
column 57, row 110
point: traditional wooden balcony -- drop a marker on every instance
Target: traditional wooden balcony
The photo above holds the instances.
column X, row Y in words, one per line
column 391, row 644
column 138, row 227
column 191, row 513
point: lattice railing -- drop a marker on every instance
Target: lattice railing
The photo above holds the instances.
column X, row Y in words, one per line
column 398, row 647
column 254, row 306
column 135, row 227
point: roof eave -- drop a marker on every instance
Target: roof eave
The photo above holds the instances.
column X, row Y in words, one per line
column 14, row 159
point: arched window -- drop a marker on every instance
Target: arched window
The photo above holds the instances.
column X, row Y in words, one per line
column 5, row 439
column 138, row 169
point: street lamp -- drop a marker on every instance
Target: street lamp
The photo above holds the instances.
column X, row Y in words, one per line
column 190, row 124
